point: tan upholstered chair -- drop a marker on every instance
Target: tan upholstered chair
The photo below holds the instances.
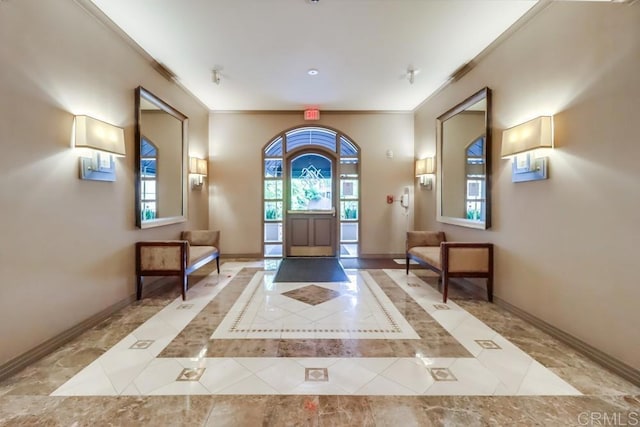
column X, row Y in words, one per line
column 176, row 257
column 451, row 259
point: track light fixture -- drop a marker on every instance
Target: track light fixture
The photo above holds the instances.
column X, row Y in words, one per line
column 411, row 74
column 215, row 76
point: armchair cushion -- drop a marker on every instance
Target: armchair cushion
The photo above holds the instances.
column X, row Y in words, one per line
column 430, row 254
column 198, row 252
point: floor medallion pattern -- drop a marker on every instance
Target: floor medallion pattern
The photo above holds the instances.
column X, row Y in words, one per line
column 358, row 309
column 312, row 294
column 155, row 363
column 375, row 334
column 316, row 374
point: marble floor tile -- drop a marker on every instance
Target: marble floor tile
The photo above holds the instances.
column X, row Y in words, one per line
column 382, row 386
column 161, row 361
column 248, row 386
column 410, row 373
column 223, row 373
column 91, row 381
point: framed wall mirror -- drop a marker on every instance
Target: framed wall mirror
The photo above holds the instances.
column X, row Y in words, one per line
column 464, row 163
column 161, row 160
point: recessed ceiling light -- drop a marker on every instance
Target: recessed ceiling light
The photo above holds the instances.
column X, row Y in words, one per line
column 312, row 72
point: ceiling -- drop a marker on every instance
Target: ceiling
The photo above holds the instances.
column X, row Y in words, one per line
column 362, row 49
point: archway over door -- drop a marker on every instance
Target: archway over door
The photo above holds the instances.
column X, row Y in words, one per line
column 311, row 194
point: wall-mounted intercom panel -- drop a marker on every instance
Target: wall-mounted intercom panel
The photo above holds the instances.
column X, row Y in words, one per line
column 404, row 199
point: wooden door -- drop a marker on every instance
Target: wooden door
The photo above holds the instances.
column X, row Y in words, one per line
column 310, row 220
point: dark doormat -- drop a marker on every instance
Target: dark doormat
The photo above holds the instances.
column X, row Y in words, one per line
column 370, row 263
column 310, row 270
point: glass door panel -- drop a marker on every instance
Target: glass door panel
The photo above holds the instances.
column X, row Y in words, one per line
column 311, row 183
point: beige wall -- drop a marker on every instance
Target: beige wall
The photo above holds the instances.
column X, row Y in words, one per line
column 566, row 247
column 66, row 250
column 237, row 141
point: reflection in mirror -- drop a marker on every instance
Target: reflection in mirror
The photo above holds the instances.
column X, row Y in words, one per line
column 464, row 159
column 160, row 162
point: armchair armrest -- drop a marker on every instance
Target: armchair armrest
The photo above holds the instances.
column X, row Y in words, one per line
column 424, row 238
column 202, row 237
column 155, row 256
column 466, row 257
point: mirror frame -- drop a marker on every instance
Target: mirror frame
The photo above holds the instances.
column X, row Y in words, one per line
column 484, row 93
column 142, row 93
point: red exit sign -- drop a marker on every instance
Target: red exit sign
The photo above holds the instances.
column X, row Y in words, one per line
column 312, row 114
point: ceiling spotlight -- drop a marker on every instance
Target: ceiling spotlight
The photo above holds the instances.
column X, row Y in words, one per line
column 215, row 76
column 312, row 72
column 314, row 1
column 411, row 74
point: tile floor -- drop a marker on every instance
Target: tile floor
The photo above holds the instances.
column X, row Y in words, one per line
column 380, row 349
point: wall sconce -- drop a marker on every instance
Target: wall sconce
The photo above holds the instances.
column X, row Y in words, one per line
column 524, row 144
column 424, row 169
column 198, row 171
column 98, row 143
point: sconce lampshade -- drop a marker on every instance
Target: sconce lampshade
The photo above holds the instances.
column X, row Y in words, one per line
column 528, row 136
column 97, row 135
column 197, row 166
column 425, row 166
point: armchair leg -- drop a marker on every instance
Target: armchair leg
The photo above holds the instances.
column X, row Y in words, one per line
column 445, row 288
column 490, row 289
column 184, row 287
column 218, row 264
column 407, row 265
column 139, row 288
